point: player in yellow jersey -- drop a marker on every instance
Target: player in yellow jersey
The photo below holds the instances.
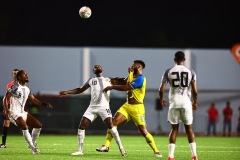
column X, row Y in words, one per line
column 134, row 109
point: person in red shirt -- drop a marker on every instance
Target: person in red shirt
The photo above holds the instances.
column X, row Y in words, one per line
column 6, row 122
column 227, row 113
column 212, row 119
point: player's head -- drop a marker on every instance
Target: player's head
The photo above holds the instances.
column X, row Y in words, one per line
column 14, row 74
column 228, row 103
column 179, row 56
column 140, row 62
column 22, row 76
column 97, row 69
column 138, row 66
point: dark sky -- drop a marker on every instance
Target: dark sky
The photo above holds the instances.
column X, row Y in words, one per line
column 120, row 23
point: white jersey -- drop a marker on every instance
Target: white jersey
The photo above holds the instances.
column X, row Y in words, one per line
column 19, row 97
column 98, row 97
column 180, row 78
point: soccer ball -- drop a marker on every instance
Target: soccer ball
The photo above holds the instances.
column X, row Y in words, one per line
column 85, row 12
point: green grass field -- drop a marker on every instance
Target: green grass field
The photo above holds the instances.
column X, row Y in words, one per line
column 60, row 147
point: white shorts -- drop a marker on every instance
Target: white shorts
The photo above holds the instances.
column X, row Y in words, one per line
column 184, row 115
column 14, row 116
column 94, row 111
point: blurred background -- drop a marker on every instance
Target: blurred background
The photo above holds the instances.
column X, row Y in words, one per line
column 57, row 48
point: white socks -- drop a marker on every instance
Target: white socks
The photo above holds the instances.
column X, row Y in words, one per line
column 193, row 148
column 116, row 136
column 81, row 136
column 28, row 138
column 35, row 134
column 171, row 149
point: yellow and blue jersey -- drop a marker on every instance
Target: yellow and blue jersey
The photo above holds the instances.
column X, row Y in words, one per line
column 138, row 84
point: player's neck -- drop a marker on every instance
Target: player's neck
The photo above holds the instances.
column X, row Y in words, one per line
column 179, row 63
column 22, row 83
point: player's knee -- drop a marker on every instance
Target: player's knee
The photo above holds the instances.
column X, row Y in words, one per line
column 113, row 131
column 6, row 123
column 39, row 125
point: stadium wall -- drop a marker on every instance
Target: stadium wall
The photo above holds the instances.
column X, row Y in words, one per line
column 52, row 69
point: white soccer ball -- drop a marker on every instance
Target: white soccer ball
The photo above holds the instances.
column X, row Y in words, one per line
column 85, row 12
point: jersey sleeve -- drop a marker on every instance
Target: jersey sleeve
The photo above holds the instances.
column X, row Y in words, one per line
column 87, row 85
column 138, row 82
column 194, row 77
column 30, row 92
column 12, row 90
column 9, row 85
column 165, row 76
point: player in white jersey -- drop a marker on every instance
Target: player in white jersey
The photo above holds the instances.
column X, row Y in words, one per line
column 99, row 105
column 182, row 83
column 17, row 95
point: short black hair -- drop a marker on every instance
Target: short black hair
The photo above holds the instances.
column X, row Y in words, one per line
column 179, row 56
column 19, row 73
column 15, row 70
column 141, row 62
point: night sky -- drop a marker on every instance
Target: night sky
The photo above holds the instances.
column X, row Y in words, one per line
column 120, row 23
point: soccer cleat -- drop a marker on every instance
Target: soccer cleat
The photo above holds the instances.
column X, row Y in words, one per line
column 78, row 153
column 103, row 148
column 194, row 158
column 170, row 158
column 35, row 151
column 3, row 146
column 158, row 155
column 123, row 152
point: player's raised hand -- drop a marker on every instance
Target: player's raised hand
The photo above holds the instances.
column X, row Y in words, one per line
column 130, row 69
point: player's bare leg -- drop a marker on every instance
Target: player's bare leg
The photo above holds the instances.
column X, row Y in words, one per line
column 37, row 127
column 191, row 140
column 149, row 139
column 117, row 120
column 172, row 140
column 84, row 123
column 6, row 124
column 114, row 132
column 22, row 124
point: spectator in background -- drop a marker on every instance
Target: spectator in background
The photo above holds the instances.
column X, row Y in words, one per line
column 212, row 119
column 227, row 113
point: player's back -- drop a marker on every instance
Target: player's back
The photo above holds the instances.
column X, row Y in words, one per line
column 180, row 78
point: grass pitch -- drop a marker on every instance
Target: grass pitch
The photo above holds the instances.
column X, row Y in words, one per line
column 60, row 147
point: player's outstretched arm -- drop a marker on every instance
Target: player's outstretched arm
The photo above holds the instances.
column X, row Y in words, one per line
column 38, row 102
column 118, row 81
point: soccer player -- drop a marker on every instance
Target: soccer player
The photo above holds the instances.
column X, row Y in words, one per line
column 134, row 109
column 6, row 122
column 99, row 105
column 17, row 95
column 182, row 83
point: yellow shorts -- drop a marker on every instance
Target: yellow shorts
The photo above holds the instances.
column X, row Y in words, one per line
column 136, row 112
